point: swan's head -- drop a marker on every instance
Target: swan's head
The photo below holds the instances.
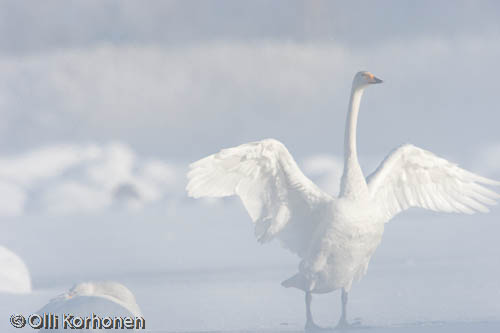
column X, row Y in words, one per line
column 363, row 79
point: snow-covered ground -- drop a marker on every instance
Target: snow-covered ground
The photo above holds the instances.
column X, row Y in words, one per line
column 195, row 266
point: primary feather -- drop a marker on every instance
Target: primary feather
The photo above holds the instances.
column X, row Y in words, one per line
column 281, row 201
column 414, row 177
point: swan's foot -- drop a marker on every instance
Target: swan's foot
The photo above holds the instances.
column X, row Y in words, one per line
column 345, row 325
column 312, row 327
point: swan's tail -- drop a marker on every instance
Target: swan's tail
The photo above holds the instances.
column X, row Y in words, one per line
column 297, row 281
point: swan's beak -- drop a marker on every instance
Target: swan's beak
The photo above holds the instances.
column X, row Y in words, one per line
column 376, row 80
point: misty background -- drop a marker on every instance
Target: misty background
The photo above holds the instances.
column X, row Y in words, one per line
column 103, row 104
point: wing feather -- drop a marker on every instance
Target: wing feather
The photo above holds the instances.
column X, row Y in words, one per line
column 280, row 199
column 414, row 177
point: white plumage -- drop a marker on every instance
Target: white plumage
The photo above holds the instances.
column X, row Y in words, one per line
column 413, row 177
column 278, row 197
column 103, row 298
column 335, row 237
column 14, row 275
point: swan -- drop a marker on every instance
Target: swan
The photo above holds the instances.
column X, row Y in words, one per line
column 14, row 274
column 103, row 298
column 335, row 237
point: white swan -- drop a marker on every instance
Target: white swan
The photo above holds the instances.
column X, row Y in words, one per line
column 335, row 237
column 14, row 274
column 104, row 299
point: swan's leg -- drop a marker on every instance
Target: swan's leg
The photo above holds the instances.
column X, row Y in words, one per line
column 343, row 317
column 309, row 317
column 310, row 325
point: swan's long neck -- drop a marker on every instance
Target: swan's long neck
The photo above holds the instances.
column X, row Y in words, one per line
column 353, row 182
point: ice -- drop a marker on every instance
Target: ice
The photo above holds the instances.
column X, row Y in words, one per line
column 198, row 268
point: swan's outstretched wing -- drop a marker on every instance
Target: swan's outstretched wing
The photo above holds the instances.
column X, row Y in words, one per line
column 281, row 201
column 413, row 177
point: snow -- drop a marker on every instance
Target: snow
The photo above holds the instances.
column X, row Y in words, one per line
column 64, row 179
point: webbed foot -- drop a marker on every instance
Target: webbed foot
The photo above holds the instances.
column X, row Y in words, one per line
column 345, row 325
column 312, row 327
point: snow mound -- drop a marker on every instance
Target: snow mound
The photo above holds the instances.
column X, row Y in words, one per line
column 14, row 274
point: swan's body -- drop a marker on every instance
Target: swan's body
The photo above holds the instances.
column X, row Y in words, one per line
column 104, row 299
column 14, row 276
column 335, row 237
column 339, row 252
column 113, row 292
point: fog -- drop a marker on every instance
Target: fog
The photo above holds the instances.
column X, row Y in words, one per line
column 103, row 105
